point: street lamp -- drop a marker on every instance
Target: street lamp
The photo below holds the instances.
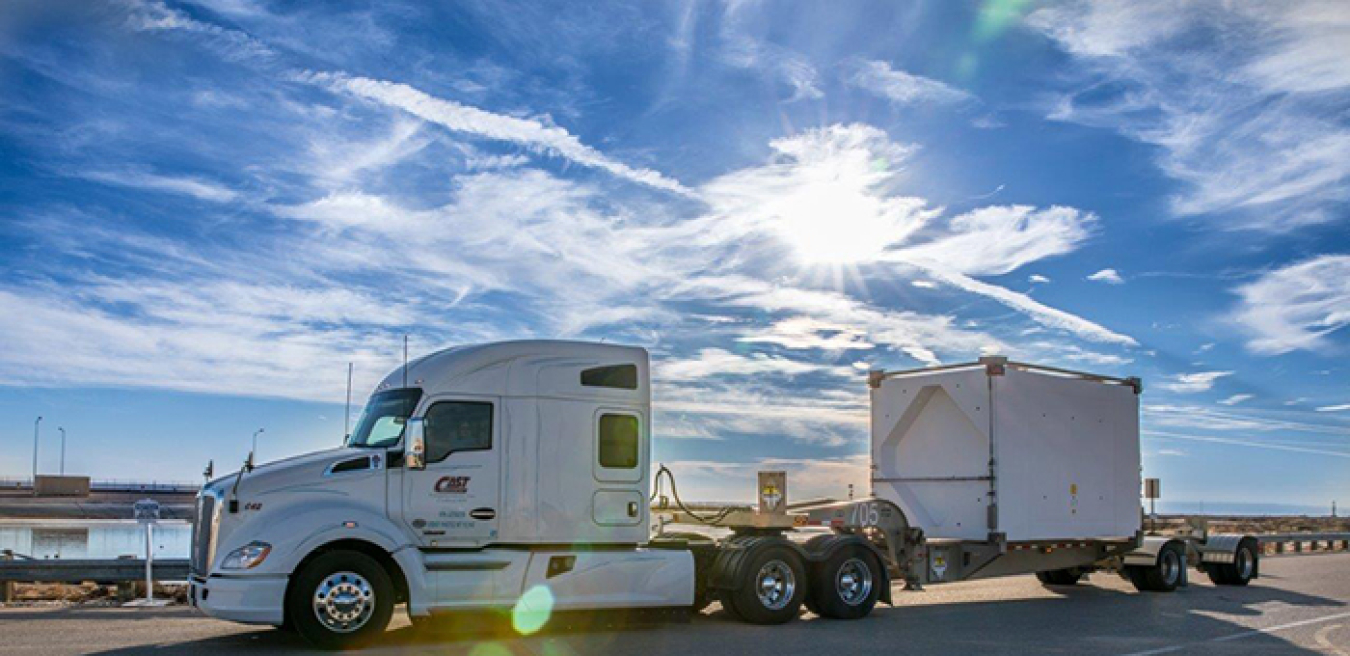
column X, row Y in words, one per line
column 255, row 443
column 63, row 450
column 36, row 425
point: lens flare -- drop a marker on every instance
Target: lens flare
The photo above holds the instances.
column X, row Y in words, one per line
column 533, row 610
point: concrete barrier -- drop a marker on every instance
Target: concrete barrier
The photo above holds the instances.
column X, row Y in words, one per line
column 1283, row 543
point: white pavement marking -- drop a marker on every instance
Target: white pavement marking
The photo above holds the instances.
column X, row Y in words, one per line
column 1239, row 636
column 1325, row 643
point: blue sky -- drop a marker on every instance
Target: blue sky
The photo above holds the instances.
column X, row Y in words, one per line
column 207, row 209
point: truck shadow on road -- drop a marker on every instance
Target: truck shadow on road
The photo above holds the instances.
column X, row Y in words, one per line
column 1076, row 619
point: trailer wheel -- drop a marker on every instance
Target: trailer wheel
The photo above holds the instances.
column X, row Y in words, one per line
column 1163, row 576
column 847, row 585
column 1059, row 576
column 1240, row 572
column 341, row 600
column 773, row 589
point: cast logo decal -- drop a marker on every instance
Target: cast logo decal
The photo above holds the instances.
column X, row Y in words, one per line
column 452, row 485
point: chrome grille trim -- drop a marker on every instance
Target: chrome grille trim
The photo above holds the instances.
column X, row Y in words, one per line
column 204, row 533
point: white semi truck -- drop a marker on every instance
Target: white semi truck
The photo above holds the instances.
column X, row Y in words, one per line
column 518, row 474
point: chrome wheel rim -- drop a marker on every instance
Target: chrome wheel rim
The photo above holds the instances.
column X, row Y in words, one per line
column 1245, row 563
column 775, row 584
column 344, row 602
column 1170, row 567
column 853, row 583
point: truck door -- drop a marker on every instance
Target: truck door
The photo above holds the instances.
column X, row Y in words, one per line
column 454, row 501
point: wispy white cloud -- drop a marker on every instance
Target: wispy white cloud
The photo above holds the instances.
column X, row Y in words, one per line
column 809, row 333
column 1236, row 399
column 1001, row 238
column 710, row 362
column 919, row 336
column 1296, row 307
column 1200, row 381
column 194, row 187
column 742, row 48
column 1242, row 122
column 1252, row 444
column 1037, row 311
column 1108, row 276
column 899, row 87
column 1038, row 279
column 1210, row 418
column 1335, row 408
column 530, row 133
column 230, row 43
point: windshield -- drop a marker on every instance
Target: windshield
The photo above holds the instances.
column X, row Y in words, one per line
column 381, row 423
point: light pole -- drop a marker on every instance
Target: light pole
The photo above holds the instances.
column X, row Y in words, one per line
column 63, row 450
column 255, row 443
column 36, row 424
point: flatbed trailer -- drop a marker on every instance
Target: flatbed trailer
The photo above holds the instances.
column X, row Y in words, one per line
column 516, row 477
column 922, row 411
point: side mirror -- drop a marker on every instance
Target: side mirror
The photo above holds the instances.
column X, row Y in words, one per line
column 415, row 451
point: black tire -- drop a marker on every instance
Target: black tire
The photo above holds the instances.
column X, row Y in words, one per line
column 1241, row 571
column 1163, row 576
column 814, row 546
column 729, row 605
column 772, row 587
column 846, row 586
column 1059, row 577
column 357, row 590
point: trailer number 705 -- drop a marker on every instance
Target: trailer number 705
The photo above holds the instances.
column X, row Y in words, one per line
column 865, row 514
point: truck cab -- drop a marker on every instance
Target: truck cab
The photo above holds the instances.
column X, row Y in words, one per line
column 477, row 477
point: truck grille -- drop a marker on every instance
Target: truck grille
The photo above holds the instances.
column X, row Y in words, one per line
column 204, row 534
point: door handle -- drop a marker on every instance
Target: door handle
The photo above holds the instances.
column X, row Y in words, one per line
column 632, row 509
column 483, row 514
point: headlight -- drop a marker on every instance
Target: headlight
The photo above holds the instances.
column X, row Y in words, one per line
column 247, row 557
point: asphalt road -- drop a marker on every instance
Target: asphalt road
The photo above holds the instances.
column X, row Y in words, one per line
column 1300, row 605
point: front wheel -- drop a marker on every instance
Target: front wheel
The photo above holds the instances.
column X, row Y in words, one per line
column 341, row 600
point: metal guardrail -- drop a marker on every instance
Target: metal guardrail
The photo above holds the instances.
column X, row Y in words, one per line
column 103, row 571
column 1281, row 543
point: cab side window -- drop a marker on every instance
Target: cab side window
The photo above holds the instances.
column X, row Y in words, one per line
column 453, row 426
column 618, row 441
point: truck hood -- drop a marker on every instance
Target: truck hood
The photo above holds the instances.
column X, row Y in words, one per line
column 302, row 470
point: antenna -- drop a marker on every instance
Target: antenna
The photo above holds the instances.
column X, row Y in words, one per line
column 405, row 360
column 347, row 414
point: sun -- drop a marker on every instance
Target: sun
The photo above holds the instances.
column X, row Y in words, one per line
column 838, row 222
